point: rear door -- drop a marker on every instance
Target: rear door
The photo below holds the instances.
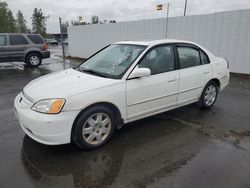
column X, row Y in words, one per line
column 195, row 72
column 17, row 46
column 3, row 47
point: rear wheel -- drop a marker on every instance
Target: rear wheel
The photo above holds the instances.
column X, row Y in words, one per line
column 33, row 59
column 94, row 128
column 209, row 95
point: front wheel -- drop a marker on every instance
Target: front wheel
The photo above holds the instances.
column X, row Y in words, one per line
column 94, row 128
column 209, row 95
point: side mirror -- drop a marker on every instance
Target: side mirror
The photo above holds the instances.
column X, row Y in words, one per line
column 140, row 72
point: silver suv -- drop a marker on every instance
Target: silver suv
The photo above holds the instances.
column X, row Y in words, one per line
column 28, row 48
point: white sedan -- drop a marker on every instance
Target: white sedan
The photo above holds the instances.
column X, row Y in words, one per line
column 124, row 82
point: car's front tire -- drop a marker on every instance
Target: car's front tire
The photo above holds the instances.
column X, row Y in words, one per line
column 33, row 59
column 94, row 127
column 209, row 95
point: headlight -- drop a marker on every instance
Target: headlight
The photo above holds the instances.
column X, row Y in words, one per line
column 49, row 106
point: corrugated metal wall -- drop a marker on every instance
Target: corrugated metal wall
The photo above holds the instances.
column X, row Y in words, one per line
column 226, row 34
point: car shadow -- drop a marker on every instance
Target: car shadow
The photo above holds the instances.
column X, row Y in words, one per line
column 153, row 145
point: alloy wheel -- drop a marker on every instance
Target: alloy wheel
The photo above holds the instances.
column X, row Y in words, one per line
column 210, row 95
column 34, row 60
column 96, row 128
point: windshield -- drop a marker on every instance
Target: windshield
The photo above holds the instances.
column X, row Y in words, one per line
column 113, row 61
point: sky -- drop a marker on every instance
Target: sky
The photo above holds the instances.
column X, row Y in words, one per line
column 119, row 10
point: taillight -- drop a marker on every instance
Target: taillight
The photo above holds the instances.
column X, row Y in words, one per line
column 45, row 46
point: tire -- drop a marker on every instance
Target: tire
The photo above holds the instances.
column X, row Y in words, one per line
column 90, row 131
column 33, row 59
column 209, row 95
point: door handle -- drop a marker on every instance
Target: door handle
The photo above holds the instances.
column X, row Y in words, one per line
column 172, row 80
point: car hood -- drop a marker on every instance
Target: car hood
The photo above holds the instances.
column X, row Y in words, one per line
column 64, row 84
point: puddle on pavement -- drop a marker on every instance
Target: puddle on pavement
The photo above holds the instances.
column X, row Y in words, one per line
column 146, row 148
column 218, row 164
column 4, row 66
column 45, row 68
column 150, row 152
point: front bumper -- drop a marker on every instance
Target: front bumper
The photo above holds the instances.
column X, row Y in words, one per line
column 49, row 129
column 45, row 54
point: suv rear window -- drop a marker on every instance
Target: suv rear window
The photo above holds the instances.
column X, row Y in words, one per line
column 36, row 39
column 17, row 40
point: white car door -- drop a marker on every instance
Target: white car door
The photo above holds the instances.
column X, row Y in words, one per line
column 195, row 72
column 157, row 92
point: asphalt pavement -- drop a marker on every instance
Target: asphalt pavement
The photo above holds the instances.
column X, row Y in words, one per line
column 186, row 147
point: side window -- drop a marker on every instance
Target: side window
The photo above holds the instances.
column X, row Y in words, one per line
column 204, row 59
column 17, row 40
column 189, row 57
column 3, row 40
column 36, row 39
column 159, row 60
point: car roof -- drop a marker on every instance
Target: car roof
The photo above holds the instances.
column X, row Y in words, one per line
column 154, row 42
column 151, row 43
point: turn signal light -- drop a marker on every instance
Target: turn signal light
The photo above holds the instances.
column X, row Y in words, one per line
column 56, row 106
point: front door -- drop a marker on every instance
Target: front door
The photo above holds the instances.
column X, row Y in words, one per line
column 157, row 92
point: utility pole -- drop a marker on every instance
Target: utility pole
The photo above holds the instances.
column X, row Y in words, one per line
column 167, row 21
column 185, row 8
column 62, row 42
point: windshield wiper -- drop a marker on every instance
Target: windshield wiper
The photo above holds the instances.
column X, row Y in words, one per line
column 92, row 72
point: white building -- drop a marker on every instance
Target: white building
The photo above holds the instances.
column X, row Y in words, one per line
column 226, row 34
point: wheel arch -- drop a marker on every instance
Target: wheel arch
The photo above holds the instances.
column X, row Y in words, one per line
column 33, row 51
column 109, row 105
column 216, row 80
column 218, row 84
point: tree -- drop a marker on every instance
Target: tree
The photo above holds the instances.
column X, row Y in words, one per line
column 112, row 21
column 12, row 22
column 94, row 19
column 7, row 21
column 74, row 23
column 39, row 22
column 21, row 26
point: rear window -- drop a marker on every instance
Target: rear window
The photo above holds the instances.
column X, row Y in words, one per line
column 188, row 57
column 17, row 40
column 36, row 39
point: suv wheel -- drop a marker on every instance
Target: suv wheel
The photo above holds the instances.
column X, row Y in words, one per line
column 34, row 59
column 94, row 128
column 209, row 95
